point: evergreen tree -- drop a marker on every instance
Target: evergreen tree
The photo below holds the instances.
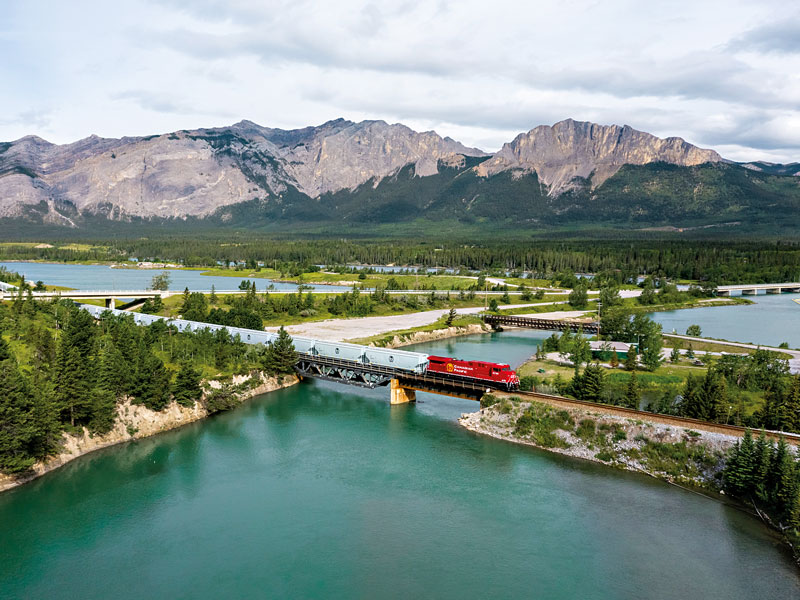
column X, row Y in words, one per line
column 762, row 459
column 186, row 388
column 590, row 384
column 280, row 355
column 614, row 360
column 152, row 380
column 73, row 386
column 5, row 351
column 785, row 491
column 675, row 355
column 738, row 472
column 17, row 427
column 103, row 410
column 690, row 352
column 451, row 315
column 632, row 397
column 630, row 359
column 651, row 354
column 213, row 296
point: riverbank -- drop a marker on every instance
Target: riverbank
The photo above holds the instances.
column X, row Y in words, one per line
column 134, row 422
column 674, row 454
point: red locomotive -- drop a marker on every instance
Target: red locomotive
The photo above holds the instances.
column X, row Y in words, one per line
column 497, row 374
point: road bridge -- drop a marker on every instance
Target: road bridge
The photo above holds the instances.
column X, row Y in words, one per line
column 751, row 289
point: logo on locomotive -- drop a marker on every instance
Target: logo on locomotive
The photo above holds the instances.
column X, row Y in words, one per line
column 450, row 367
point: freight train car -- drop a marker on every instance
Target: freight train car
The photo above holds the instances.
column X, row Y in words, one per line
column 496, row 374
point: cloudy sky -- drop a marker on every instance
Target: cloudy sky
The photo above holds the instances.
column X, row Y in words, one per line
column 721, row 74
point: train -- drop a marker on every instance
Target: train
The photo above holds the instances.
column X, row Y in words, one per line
column 495, row 375
column 498, row 374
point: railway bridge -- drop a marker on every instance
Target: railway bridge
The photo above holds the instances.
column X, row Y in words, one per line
column 345, row 363
column 592, row 327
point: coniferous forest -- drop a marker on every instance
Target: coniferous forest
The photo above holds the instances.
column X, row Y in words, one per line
column 62, row 370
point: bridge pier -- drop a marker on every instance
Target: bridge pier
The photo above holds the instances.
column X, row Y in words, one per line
column 750, row 292
column 723, row 293
column 110, row 303
column 400, row 394
column 774, row 290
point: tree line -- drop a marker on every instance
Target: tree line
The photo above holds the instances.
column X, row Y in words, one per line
column 714, row 261
column 62, row 370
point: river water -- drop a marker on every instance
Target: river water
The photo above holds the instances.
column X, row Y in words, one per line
column 774, row 318
column 326, row 491
column 103, row 277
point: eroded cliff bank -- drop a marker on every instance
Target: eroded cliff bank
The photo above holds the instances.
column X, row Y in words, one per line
column 134, row 422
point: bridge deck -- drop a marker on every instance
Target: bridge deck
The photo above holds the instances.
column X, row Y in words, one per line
column 547, row 324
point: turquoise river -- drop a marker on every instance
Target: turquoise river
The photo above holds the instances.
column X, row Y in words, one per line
column 326, row 491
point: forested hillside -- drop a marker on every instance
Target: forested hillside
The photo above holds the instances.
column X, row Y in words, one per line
column 60, row 370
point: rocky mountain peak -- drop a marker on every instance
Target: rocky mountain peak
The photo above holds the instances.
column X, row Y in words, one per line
column 564, row 153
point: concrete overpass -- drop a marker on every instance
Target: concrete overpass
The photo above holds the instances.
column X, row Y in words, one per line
column 751, row 289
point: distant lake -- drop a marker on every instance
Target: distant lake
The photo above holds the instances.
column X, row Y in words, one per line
column 103, row 277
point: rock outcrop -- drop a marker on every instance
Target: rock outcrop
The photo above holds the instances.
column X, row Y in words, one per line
column 194, row 173
column 569, row 151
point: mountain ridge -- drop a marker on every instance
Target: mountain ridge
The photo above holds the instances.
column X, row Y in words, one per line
column 377, row 171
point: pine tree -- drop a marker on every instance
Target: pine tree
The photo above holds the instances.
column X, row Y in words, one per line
column 675, row 355
column 738, row 472
column 213, row 297
column 186, row 388
column 17, row 431
column 630, row 359
column 103, row 410
column 632, row 392
column 789, row 410
column 785, row 477
column 152, row 387
column 451, row 316
column 73, row 386
column 762, row 460
column 690, row 352
column 280, row 355
column 589, row 385
column 5, row 351
column 614, row 360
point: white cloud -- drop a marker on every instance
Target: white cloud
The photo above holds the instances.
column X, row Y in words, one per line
column 722, row 74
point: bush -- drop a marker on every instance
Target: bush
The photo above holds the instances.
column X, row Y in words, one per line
column 488, row 400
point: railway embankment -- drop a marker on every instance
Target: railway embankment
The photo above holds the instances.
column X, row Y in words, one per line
column 134, row 422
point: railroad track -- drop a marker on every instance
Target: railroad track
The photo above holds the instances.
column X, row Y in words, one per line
column 685, row 422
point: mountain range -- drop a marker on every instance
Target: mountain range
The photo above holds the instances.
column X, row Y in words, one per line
column 350, row 175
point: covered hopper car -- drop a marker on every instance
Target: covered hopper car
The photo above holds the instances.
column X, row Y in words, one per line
column 495, row 375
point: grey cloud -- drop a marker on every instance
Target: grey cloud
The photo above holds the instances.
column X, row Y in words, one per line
column 780, row 38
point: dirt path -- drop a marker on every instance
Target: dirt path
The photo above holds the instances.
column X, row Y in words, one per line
column 347, row 329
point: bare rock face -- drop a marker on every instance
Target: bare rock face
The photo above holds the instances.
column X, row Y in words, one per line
column 350, row 154
column 194, row 173
column 574, row 149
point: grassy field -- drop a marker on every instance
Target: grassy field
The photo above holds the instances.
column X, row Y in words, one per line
column 384, row 338
column 711, row 346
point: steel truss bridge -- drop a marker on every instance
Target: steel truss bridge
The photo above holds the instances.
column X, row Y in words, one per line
column 372, row 376
column 592, row 327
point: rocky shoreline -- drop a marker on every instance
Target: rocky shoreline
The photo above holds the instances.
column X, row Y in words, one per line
column 135, row 422
column 674, row 454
